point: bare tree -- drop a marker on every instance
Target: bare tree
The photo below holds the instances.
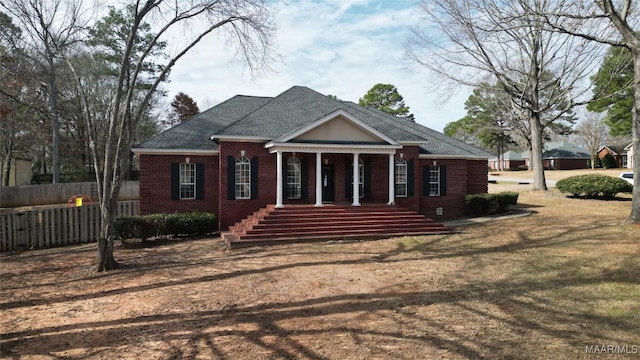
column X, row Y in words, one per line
column 471, row 42
column 591, row 133
column 248, row 25
column 615, row 23
column 51, row 26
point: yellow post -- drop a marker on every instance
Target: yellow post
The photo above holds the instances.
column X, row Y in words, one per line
column 79, row 201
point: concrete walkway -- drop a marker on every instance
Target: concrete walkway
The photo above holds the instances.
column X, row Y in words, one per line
column 493, row 178
column 511, row 214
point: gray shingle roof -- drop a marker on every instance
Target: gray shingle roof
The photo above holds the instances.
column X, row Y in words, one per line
column 273, row 118
column 554, row 150
column 509, row 155
column 194, row 133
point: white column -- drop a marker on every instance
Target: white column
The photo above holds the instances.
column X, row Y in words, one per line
column 279, row 180
column 356, row 181
column 392, row 180
column 318, row 179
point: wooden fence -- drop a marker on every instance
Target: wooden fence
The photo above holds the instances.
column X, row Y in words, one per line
column 44, row 194
column 53, row 227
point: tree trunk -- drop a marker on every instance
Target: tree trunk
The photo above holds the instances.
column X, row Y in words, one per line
column 634, row 216
column 105, row 260
column 6, row 169
column 55, row 120
column 535, row 156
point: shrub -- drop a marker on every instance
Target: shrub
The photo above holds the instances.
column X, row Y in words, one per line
column 127, row 227
column 189, row 223
column 489, row 204
column 144, row 227
column 505, row 199
column 593, row 185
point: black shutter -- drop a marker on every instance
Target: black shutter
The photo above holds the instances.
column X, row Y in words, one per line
column 304, row 178
column 367, row 178
column 425, row 180
column 254, row 178
column 348, row 175
column 443, row 180
column 410, row 178
column 231, row 178
column 199, row 181
column 175, row 181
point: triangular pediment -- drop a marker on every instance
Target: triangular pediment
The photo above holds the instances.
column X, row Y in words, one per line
column 338, row 127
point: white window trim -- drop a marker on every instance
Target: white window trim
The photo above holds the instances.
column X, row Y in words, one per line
column 361, row 177
column 186, row 169
column 246, row 163
column 401, row 163
column 436, row 183
column 297, row 177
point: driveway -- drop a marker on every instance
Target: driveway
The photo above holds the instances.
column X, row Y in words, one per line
column 519, row 180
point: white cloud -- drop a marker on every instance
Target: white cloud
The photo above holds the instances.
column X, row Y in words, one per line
column 335, row 47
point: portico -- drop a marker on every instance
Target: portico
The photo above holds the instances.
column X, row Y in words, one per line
column 354, row 152
column 347, row 135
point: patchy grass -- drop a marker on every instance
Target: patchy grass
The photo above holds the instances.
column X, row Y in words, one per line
column 542, row 286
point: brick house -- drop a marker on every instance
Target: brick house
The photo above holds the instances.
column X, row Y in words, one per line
column 562, row 156
column 619, row 152
column 511, row 160
column 300, row 147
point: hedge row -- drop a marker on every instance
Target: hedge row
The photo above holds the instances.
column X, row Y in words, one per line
column 148, row 226
column 489, row 204
column 593, row 185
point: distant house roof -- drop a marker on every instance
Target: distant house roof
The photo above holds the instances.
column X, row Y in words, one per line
column 265, row 118
column 557, row 150
column 615, row 149
column 509, row 155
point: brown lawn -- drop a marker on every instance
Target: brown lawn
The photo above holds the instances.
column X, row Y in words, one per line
column 544, row 286
column 560, row 174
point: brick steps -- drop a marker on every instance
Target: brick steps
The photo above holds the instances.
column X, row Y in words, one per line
column 306, row 223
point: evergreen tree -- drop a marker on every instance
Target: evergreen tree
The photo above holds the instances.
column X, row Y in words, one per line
column 612, row 85
column 385, row 97
column 183, row 108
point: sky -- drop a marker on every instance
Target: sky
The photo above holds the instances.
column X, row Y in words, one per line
column 338, row 47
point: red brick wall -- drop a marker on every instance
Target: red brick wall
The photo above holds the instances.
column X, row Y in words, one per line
column 413, row 202
column 463, row 177
column 565, row 164
column 232, row 211
column 155, row 184
column 477, row 177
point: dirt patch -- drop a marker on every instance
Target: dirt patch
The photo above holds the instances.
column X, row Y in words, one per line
column 519, row 288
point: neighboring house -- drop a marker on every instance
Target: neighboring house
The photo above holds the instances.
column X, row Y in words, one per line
column 629, row 159
column 562, row 156
column 300, row 147
column 510, row 160
column 618, row 152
